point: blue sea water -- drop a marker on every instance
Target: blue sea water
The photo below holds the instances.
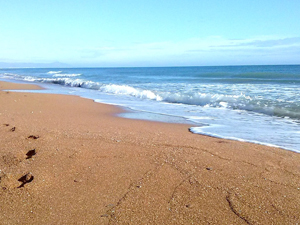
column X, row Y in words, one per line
column 259, row 104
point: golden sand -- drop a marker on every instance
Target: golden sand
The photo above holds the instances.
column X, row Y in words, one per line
column 68, row 160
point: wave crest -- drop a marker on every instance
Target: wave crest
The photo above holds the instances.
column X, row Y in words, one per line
column 54, row 72
column 131, row 91
column 67, row 75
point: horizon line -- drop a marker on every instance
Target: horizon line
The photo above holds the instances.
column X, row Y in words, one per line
column 87, row 67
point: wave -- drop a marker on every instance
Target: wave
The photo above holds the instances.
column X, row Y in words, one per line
column 106, row 88
column 66, row 81
column 66, row 75
column 233, row 102
column 54, row 72
column 236, row 102
column 131, row 91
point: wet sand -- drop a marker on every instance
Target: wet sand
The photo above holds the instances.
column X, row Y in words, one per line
column 68, row 160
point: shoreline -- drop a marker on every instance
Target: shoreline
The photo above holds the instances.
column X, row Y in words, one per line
column 92, row 167
column 138, row 115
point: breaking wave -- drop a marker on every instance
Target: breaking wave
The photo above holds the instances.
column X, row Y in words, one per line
column 66, row 75
column 54, row 72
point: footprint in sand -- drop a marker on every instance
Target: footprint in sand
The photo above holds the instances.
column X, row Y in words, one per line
column 27, row 178
column 31, row 153
column 33, row 137
column 9, row 181
column 12, row 129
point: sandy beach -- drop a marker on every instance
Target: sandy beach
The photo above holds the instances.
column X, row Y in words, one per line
column 69, row 160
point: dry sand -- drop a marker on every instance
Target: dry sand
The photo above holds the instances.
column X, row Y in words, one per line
column 68, row 160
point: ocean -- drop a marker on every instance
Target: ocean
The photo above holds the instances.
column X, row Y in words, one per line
column 259, row 104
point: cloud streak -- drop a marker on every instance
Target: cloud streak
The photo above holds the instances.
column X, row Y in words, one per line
column 205, row 51
column 268, row 43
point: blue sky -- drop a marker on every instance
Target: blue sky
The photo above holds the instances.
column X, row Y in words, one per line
column 150, row 33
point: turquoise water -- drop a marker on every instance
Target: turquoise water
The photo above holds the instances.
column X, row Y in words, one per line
column 249, row 103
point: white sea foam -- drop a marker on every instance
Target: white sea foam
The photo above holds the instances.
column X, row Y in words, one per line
column 31, row 79
column 130, row 91
column 67, row 75
column 200, row 118
column 199, row 130
column 54, row 72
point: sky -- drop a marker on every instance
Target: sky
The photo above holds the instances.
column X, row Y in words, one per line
column 124, row 33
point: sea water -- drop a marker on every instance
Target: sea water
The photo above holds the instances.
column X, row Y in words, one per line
column 259, row 104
